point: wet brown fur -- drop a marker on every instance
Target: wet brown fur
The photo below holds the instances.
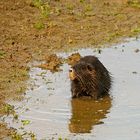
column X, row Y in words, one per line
column 92, row 78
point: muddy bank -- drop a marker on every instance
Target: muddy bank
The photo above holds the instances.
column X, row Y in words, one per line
column 30, row 30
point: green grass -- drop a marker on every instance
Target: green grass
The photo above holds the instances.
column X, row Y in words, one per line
column 70, row 6
column 16, row 136
column 136, row 30
column 88, row 7
column 39, row 25
column 25, row 122
column 82, row 1
column 2, row 54
column 134, row 3
column 45, row 10
column 37, row 3
column 8, row 109
column 43, row 6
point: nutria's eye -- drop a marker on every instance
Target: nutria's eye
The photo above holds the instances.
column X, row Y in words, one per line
column 89, row 67
column 70, row 70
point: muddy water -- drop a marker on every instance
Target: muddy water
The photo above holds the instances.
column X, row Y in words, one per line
column 53, row 114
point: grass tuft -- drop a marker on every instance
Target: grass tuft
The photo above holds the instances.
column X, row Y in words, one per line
column 39, row 25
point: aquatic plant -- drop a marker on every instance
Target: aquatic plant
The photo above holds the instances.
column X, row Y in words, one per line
column 16, row 136
column 25, row 122
column 8, row 109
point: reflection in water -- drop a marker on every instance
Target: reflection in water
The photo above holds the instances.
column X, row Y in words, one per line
column 86, row 113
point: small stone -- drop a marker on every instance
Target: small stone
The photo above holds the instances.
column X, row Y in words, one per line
column 137, row 50
column 134, row 72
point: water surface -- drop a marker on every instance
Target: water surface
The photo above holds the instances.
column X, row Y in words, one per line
column 53, row 114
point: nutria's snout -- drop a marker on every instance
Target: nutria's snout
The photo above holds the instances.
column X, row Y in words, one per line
column 72, row 74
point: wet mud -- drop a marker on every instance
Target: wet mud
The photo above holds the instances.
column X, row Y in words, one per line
column 53, row 114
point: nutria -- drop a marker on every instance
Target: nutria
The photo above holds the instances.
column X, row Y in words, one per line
column 89, row 77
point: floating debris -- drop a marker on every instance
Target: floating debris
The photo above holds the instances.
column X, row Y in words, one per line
column 99, row 51
column 137, row 50
column 25, row 122
column 72, row 59
column 134, row 72
column 52, row 63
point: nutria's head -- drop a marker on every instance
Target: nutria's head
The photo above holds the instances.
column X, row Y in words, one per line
column 83, row 72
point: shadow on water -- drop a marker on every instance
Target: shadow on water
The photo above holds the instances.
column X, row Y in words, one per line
column 86, row 113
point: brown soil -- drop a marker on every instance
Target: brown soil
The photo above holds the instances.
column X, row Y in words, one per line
column 30, row 30
column 52, row 63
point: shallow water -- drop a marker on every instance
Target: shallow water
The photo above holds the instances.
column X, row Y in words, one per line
column 53, row 114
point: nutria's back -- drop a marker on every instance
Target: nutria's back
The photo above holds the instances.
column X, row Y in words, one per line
column 89, row 77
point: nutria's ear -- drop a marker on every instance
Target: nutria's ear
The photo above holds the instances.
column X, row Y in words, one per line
column 90, row 67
